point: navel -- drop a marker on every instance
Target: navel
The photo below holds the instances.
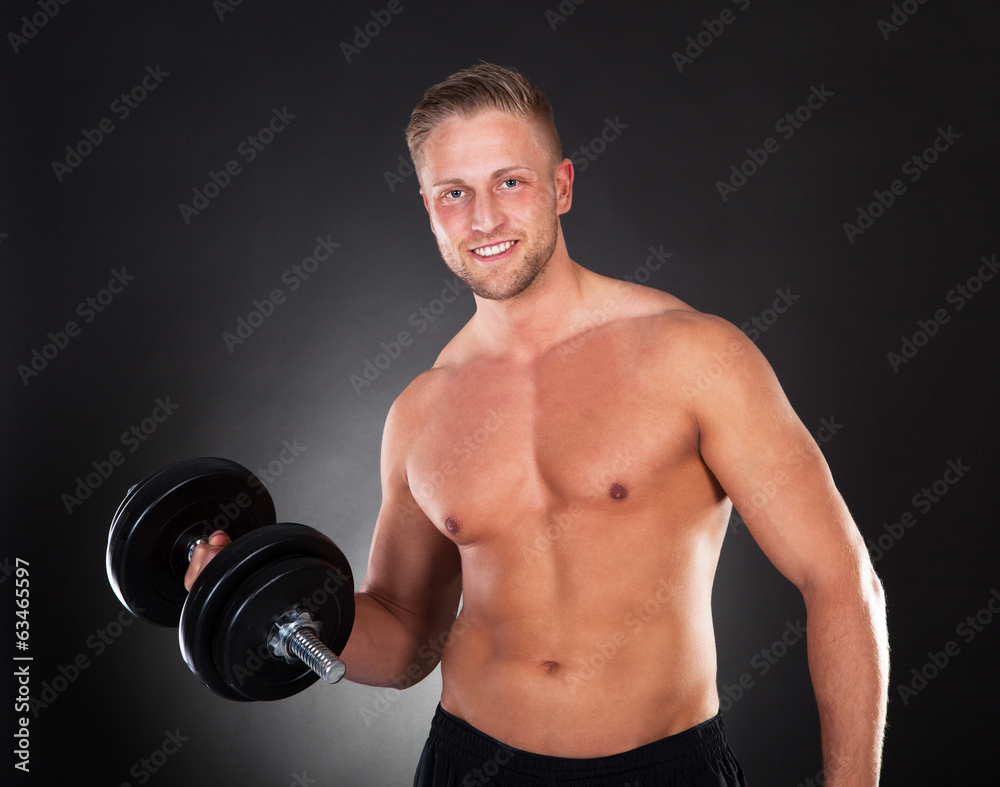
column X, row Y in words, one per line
column 617, row 491
column 452, row 526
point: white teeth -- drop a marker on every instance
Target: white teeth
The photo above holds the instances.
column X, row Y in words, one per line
column 490, row 251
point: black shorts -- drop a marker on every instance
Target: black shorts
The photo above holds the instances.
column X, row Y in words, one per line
column 458, row 755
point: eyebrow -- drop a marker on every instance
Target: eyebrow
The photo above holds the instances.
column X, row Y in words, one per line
column 493, row 175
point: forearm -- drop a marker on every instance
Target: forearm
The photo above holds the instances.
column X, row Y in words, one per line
column 386, row 650
column 849, row 663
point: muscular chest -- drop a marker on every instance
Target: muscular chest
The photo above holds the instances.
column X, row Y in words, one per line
column 511, row 447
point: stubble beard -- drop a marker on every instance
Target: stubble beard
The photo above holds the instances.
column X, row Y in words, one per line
column 504, row 285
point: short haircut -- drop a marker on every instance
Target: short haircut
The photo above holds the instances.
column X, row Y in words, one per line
column 477, row 89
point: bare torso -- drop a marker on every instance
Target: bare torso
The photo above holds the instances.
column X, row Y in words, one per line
column 589, row 530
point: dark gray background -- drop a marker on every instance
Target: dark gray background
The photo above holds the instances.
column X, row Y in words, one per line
column 326, row 175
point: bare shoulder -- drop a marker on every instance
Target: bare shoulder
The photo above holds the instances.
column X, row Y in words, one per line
column 411, row 406
column 669, row 325
column 422, row 397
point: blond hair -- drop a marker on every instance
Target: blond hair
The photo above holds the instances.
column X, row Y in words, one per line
column 477, row 89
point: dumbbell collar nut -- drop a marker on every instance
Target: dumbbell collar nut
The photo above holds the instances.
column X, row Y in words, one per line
column 284, row 629
column 194, row 545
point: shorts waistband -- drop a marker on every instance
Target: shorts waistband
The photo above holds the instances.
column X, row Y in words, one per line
column 457, row 738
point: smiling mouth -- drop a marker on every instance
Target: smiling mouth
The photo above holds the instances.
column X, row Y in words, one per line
column 494, row 250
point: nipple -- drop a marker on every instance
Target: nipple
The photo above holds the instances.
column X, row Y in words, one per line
column 451, row 526
column 617, row 491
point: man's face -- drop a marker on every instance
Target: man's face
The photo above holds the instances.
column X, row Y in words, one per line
column 494, row 196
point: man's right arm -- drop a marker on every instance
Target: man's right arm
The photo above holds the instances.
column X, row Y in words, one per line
column 409, row 597
column 411, row 590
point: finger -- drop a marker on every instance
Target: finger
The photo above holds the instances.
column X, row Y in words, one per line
column 202, row 556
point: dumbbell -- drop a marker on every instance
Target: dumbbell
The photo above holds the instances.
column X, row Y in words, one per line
column 267, row 616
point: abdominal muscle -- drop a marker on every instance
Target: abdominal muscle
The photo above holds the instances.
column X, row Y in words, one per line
column 586, row 650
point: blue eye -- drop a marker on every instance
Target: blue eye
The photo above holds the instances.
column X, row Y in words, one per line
column 510, row 182
column 454, row 193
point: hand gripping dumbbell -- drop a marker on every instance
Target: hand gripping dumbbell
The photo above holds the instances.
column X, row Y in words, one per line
column 267, row 616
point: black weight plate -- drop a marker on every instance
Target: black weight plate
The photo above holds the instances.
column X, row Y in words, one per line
column 162, row 515
column 219, row 584
column 313, row 584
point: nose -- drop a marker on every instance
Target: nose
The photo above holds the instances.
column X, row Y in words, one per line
column 487, row 215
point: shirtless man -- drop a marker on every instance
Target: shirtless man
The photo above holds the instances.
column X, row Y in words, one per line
column 570, row 463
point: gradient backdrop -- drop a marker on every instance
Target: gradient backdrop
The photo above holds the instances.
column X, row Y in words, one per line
column 117, row 302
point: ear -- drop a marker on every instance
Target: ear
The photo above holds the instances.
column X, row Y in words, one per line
column 564, row 186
